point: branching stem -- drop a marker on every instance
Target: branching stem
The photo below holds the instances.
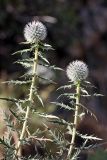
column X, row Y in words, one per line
column 18, row 150
column 75, row 120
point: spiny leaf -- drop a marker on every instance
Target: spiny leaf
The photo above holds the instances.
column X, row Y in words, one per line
column 25, row 42
column 69, row 95
column 9, row 99
column 47, row 47
column 56, row 119
column 66, row 87
column 97, row 95
column 84, row 91
column 51, row 67
column 88, row 84
column 43, row 58
column 25, row 64
column 40, row 99
column 54, row 68
column 22, row 51
column 28, row 75
column 14, row 100
column 46, row 115
column 15, row 82
column 89, row 137
column 84, row 95
column 25, row 60
column 62, row 105
column 51, row 81
column 87, row 110
column 60, row 122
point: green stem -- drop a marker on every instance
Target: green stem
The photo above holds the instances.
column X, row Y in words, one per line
column 75, row 120
column 18, row 150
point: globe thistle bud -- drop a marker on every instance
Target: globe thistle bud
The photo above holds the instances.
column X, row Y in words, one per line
column 35, row 31
column 77, row 71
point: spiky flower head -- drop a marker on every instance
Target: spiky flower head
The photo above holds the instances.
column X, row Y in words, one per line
column 35, row 31
column 77, row 71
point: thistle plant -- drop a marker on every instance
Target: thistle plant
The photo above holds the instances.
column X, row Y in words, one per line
column 33, row 32
column 76, row 72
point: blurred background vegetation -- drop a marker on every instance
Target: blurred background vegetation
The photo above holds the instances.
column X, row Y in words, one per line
column 76, row 30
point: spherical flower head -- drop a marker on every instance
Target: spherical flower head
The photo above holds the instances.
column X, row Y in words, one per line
column 77, row 71
column 35, row 31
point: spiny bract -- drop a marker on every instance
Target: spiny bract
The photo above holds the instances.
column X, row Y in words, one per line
column 35, row 31
column 77, row 71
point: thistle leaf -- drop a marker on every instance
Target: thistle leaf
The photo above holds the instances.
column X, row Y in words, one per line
column 43, row 58
column 87, row 110
column 25, row 60
column 89, row 137
column 62, row 105
column 97, row 95
column 14, row 100
column 66, row 87
column 25, row 42
column 61, row 122
column 40, row 99
column 25, row 64
column 15, row 82
column 47, row 115
column 22, row 51
column 47, row 47
column 84, row 91
column 69, row 95
column 51, row 81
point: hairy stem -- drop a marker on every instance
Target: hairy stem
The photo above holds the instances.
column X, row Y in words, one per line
column 18, row 150
column 75, row 120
